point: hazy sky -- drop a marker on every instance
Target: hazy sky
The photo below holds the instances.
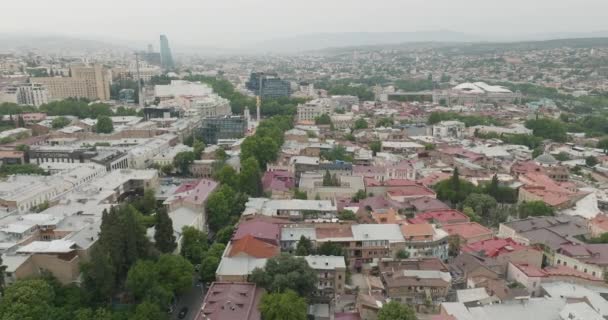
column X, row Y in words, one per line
column 230, row 22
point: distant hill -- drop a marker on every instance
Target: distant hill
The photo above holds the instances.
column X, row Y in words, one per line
column 320, row 41
column 317, row 41
column 53, row 43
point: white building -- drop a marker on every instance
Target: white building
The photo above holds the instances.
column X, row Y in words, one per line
column 448, row 129
column 181, row 88
column 31, row 94
column 310, row 110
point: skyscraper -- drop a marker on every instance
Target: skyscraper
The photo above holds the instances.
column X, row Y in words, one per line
column 166, row 60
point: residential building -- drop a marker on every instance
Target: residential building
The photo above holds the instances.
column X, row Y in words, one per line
column 311, row 110
column 587, row 258
column 231, row 300
column 425, row 240
column 468, row 232
column 497, row 253
column 32, row 94
column 92, row 83
column 448, row 129
column 331, row 276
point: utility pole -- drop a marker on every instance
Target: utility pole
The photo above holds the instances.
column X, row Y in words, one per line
column 139, row 91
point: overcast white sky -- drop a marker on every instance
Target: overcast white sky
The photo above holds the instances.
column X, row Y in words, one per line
column 229, row 22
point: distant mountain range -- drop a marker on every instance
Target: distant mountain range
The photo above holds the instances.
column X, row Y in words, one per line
column 298, row 43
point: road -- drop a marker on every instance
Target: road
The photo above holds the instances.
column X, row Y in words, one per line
column 192, row 299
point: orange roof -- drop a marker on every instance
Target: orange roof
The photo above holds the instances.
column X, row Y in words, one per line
column 417, row 231
column 390, row 217
column 467, row 230
column 253, row 247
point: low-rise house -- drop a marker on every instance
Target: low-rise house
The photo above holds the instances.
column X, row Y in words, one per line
column 468, row 232
column 550, row 232
column 532, row 277
column 231, row 300
column 497, row 253
column 250, row 246
column 425, row 240
column 598, row 225
column 440, row 217
column 591, row 259
column 293, row 209
column 278, row 183
column 291, row 235
column 417, row 287
column 331, row 276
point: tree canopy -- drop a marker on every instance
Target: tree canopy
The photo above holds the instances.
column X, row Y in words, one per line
column 283, row 306
column 285, row 272
column 396, row 311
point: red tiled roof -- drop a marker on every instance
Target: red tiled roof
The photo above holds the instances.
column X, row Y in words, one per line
column 253, row 247
column 441, row 216
column 467, row 230
column 412, row 191
column 493, row 247
column 554, row 271
column 228, row 301
column 262, row 230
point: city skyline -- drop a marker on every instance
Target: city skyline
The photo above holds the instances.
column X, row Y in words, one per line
column 235, row 23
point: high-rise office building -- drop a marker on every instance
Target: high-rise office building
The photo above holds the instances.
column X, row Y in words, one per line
column 166, row 59
column 270, row 84
column 92, row 83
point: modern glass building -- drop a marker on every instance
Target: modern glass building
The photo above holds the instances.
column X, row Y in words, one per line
column 226, row 127
column 166, row 59
column 272, row 86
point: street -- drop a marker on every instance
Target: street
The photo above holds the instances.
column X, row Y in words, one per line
column 191, row 299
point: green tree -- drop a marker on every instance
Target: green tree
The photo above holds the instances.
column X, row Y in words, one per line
column 454, row 246
column 402, row 254
column 167, row 169
column 175, row 273
column 329, row 248
column 27, row 168
column 99, row 275
column 250, row 177
column 148, row 311
column 360, row 195
column 483, row 204
column 360, row 124
column 219, row 206
column 146, row 204
column 327, row 182
column 591, row 161
column 285, row 272
column 104, row 125
column 208, row 268
column 224, row 234
column 164, row 237
column 183, row 160
column 603, row 144
column 384, row 122
column 297, row 194
column 454, row 189
column 323, row 119
column 27, row 299
column 396, row 311
column 194, row 244
column 534, row 209
column 548, row 129
column 375, row 146
column 562, row 156
column 227, row 176
column 304, row 247
column 60, row 122
column 470, row 212
column 283, row 306
column 347, row 215
column 198, row 147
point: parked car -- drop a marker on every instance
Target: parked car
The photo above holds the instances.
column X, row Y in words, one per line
column 182, row 313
